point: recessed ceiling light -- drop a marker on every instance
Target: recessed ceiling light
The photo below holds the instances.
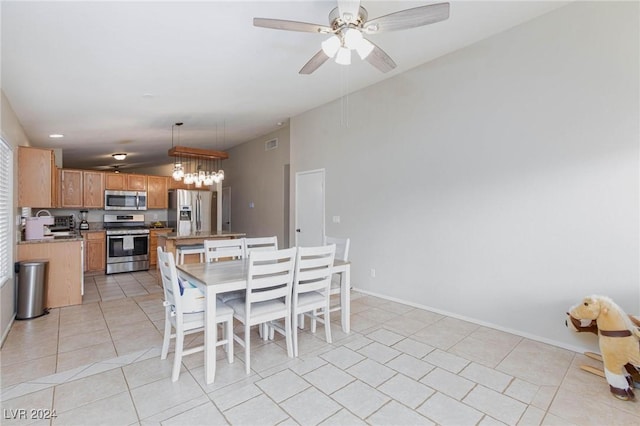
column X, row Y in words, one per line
column 279, row 123
column 56, row 136
column 119, row 156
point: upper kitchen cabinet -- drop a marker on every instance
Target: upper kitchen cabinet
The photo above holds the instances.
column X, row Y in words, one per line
column 136, row 182
column 115, row 181
column 93, row 189
column 157, row 192
column 71, row 190
column 179, row 184
column 81, row 189
column 37, row 177
column 125, row 182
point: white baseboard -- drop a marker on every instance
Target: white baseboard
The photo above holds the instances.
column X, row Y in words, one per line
column 520, row 333
column 5, row 332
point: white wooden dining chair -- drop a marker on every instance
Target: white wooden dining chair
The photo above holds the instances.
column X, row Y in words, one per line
column 311, row 287
column 216, row 250
column 260, row 243
column 227, row 249
column 342, row 253
column 186, row 249
column 186, row 318
column 268, row 296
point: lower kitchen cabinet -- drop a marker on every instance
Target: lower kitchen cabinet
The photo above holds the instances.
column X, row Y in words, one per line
column 95, row 251
column 64, row 277
column 153, row 244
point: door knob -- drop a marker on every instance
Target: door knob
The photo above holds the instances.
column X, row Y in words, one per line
column 298, row 230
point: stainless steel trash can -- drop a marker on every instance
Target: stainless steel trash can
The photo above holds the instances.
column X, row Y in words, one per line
column 32, row 283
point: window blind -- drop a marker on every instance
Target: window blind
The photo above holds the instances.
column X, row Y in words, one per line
column 6, row 193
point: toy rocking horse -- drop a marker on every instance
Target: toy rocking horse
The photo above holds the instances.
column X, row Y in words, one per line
column 619, row 341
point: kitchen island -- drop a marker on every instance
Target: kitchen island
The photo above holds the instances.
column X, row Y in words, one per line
column 170, row 240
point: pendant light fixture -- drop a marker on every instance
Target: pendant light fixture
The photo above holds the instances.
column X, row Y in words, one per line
column 196, row 166
column 178, row 171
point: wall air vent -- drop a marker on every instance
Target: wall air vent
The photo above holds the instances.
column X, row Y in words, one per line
column 271, row 144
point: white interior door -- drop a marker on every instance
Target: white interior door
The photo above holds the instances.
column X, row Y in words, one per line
column 310, row 208
column 226, row 209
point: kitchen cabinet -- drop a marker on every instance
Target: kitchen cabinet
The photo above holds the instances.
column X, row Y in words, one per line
column 71, row 192
column 153, row 244
column 93, row 189
column 95, row 243
column 65, row 276
column 179, row 184
column 125, row 182
column 115, row 181
column 37, row 177
column 136, row 182
column 81, row 189
column 157, row 195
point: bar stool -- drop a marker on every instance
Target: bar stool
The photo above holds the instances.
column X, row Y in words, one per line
column 189, row 249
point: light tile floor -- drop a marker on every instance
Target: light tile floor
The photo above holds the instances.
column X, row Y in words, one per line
column 99, row 363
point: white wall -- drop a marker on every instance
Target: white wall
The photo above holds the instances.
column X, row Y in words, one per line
column 499, row 183
column 13, row 133
column 258, row 176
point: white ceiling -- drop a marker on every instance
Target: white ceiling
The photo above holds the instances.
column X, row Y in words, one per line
column 114, row 76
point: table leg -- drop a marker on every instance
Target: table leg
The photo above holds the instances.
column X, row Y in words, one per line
column 345, row 299
column 210, row 335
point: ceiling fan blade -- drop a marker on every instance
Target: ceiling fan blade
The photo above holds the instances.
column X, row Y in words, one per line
column 314, row 63
column 408, row 18
column 281, row 24
column 349, row 9
column 379, row 59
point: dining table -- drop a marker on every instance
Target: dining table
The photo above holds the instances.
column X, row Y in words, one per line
column 214, row 278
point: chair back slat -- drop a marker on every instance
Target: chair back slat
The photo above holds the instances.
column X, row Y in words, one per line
column 214, row 250
column 260, row 243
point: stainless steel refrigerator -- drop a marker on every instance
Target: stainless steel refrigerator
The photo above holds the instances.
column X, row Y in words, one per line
column 192, row 211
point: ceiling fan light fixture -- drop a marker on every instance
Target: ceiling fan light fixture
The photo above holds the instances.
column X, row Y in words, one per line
column 364, row 48
column 343, row 57
column 119, row 156
column 331, row 45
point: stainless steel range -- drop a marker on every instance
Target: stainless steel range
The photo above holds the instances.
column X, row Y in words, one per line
column 127, row 243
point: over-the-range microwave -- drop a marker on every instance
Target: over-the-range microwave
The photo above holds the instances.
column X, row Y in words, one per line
column 125, row 200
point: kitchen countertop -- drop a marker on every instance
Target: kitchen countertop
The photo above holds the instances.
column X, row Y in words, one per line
column 53, row 240
column 200, row 235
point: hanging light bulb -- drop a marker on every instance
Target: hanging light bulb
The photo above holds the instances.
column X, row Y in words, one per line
column 352, row 38
column 343, row 57
column 208, row 179
column 331, row 45
column 176, row 175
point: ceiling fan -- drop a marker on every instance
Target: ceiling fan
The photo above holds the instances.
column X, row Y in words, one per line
column 348, row 23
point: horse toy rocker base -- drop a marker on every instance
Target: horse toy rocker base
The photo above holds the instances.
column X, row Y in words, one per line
column 618, row 338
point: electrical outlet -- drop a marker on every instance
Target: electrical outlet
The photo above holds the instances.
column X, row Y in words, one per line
column 336, row 219
column 154, row 216
column 373, row 273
